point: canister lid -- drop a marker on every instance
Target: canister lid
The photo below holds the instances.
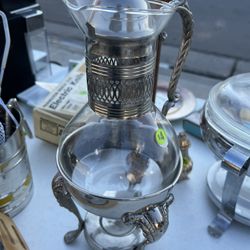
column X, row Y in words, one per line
column 228, row 109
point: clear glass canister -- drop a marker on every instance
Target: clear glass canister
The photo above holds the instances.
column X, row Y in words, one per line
column 226, row 129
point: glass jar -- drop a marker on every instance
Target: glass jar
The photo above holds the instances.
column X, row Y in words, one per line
column 226, row 129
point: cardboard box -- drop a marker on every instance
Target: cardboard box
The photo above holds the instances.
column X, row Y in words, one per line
column 48, row 127
column 51, row 117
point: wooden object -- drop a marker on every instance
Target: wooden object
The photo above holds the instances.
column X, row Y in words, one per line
column 10, row 237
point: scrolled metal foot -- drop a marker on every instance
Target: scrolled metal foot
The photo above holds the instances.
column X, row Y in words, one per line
column 152, row 220
column 64, row 199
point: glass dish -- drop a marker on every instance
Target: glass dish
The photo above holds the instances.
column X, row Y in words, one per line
column 226, row 129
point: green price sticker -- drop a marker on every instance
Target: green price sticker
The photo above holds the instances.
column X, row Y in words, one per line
column 83, row 92
column 161, row 137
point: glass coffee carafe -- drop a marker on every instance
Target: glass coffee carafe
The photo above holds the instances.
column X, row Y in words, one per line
column 118, row 157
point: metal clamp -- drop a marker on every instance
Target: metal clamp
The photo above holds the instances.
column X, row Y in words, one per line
column 236, row 163
column 187, row 21
column 64, row 199
column 152, row 220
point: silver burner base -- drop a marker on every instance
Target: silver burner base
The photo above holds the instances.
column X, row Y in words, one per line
column 102, row 233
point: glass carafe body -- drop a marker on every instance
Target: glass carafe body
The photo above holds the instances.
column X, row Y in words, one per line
column 119, row 158
column 120, row 140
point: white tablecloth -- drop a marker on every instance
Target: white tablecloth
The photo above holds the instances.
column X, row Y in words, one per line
column 43, row 222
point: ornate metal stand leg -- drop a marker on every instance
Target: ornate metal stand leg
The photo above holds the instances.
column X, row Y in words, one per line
column 64, row 199
column 236, row 163
column 152, row 220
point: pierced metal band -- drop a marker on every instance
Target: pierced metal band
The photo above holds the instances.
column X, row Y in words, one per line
column 120, row 77
column 120, row 98
column 127, row 72
column 124, row 113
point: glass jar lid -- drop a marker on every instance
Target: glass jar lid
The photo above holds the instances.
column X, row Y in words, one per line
column 228, row 109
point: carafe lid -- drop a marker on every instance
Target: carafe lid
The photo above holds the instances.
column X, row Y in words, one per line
column 228, row 109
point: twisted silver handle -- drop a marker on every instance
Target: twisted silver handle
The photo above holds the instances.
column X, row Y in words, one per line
column 187, row 21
